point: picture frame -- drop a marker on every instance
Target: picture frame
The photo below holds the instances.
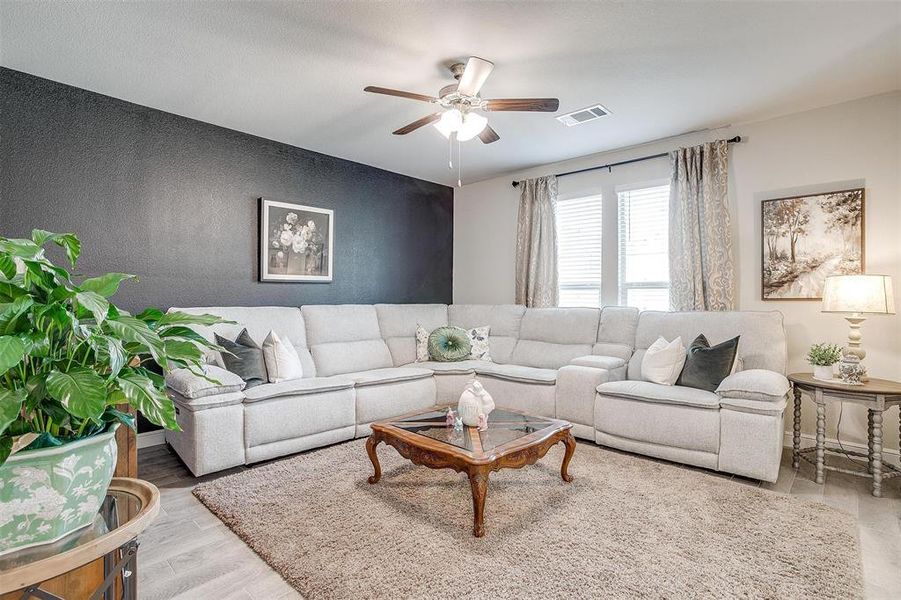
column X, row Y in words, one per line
column 296, row 242
column 808, row 237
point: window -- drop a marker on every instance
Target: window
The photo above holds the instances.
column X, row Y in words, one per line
column 644, row 247
column 579, row 251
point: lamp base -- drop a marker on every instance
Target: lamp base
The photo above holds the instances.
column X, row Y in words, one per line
column 853, row 354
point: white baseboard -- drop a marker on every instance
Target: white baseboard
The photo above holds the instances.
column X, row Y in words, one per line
column 147, row 439
column 889, row 455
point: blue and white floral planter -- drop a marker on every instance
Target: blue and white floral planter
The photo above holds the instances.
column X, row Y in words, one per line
column 48, row 493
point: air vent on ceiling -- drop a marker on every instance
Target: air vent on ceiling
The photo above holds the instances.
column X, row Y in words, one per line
column 583, row 115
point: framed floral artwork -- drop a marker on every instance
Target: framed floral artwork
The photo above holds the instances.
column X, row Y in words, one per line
column 806, row 239
column 296, row 242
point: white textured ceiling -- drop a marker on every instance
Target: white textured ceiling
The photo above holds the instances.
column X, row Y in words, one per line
column 294, row 72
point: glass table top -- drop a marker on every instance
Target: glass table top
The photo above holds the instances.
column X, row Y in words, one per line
column 503, row 427
column 117, row 509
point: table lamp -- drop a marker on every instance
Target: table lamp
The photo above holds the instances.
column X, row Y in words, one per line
column 858, row 295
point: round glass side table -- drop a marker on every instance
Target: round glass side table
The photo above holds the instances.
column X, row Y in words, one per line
column 129, row 507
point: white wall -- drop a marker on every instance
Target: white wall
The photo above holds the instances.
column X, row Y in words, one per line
column 853, row 144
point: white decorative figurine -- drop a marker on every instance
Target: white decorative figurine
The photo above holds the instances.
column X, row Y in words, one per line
column 474, row 401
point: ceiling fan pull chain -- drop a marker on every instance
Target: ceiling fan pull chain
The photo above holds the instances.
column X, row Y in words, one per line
column 450, row 151
column 459, row 164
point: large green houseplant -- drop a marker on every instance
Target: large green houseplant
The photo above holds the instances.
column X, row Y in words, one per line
column 68, row 358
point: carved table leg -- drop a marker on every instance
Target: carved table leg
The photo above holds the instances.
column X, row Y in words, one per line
column 796, row 430
column 877, row 452
column 570, row 443
column 478, row 481
column 821, row 437
column 870, row 441
column 371, row 443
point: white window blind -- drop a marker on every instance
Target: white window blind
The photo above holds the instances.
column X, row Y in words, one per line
column 579, row 251
column 644, row 247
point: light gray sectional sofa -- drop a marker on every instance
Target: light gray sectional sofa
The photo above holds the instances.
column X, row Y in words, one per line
column 578, row 364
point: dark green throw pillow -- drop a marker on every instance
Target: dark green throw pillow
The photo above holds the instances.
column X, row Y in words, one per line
column 449, row 344
column 706, row 366
column 246, row 359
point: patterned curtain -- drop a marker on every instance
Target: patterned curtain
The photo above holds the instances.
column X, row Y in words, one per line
column 536, row 243
column 702, row 268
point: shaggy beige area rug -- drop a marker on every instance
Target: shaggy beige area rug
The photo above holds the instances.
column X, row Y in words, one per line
column 627, row 527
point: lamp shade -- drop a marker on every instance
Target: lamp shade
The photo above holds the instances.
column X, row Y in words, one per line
column 859, row 294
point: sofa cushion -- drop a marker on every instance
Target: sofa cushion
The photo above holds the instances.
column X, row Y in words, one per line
column 616, row 332
column 397, row 323
column 297, row 387
column 449, row 344
column 503, row 319
column 598, row 362
column 706, row 366
column 244, row 358
column 755, row 384
column 189, row 384
column 763, row 344
column 663, row 361
column 286, row 321
column 338, row 358
column 449, row 368
column 389, row 375
column 345, row 338
column 654, row 392
column 480, row 347
column 282, row 361
column 518, row 373
column 551, row 337
column 327, row 323
column 673, row 425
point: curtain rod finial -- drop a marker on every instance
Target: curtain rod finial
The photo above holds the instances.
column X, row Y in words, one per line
column 515, row 184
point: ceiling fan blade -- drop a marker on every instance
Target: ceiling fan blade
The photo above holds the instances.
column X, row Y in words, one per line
column 524, row 104
column 474, row 75
column 427, row 120
column 389, row 92
column 489, row 135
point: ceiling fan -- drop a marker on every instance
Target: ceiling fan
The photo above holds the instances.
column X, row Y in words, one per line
column 460, row 102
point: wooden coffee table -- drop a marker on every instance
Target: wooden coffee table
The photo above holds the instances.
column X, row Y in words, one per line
column 512, row 441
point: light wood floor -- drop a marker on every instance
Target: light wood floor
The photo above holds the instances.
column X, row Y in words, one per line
column 189, row 553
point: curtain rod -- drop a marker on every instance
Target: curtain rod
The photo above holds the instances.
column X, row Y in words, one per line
column 734, row 140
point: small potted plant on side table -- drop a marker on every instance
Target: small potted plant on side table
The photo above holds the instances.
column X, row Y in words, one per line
column 823, row 357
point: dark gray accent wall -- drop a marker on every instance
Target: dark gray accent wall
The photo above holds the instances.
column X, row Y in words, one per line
column 174, row 201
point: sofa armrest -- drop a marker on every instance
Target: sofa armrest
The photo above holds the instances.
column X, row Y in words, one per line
column 757, row 385
column 756, row 407
column 598, row 362
column 213, row 381
column 206, row 402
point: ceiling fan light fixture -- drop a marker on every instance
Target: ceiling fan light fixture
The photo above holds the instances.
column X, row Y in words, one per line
column 472, row 125
column 449, row 122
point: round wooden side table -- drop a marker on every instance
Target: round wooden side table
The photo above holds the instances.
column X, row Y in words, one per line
column 876, row 395
column 129, row 507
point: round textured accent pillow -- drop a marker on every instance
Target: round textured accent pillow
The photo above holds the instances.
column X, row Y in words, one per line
column 449, row 344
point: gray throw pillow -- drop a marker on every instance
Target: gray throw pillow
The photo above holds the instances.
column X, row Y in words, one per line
column 246, row 358
column 706, row 366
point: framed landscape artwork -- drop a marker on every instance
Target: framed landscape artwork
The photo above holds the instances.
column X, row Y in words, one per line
column 806, row 239
column 296, row 242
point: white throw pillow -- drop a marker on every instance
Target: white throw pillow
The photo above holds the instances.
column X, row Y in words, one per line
column 663, row 361
column 422, row 344
column 282, row 361
column 478, row 338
